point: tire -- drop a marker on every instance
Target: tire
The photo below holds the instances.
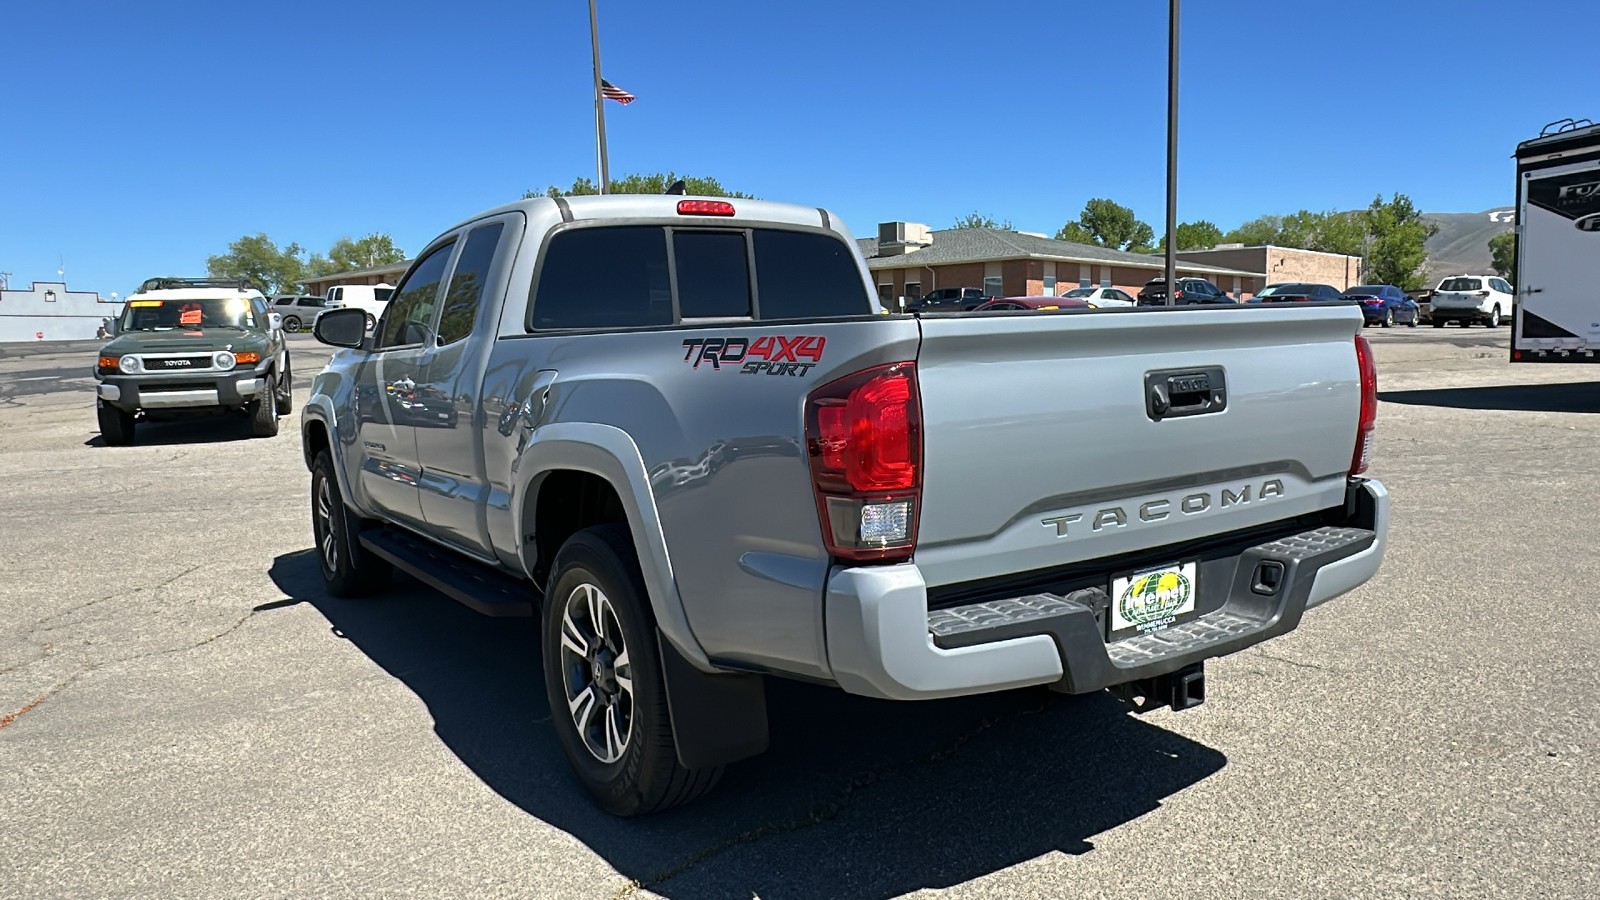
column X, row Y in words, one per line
column 116, row 426
column 348, row 568
column 1388, row 318
column 1413, row 322
column 263, row 417
column 372, row 321
column 1494, row 317
column 1438, row 323
column 283, row 390
column 291, row 324
column 626, row 760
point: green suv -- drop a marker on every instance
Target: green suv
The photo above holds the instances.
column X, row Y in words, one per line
column 188, row 346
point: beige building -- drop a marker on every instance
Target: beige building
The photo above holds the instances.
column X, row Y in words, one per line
column 907, row 260
column 1283, row 264
column 389, row 275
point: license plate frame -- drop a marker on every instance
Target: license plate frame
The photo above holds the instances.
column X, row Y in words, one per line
column 1152, row 606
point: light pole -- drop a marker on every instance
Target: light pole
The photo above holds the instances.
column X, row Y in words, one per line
column 1172, row 150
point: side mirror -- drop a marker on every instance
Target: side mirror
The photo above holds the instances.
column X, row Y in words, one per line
column 277, row 321
column 114, row 326
column 344, row 327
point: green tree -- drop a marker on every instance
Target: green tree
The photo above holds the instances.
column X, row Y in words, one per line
column 1201, row 235
column 1256, row 232
column 347, row 255
column 1395, row 253
column 975, row 219
column 650, row 183
column 257, row 258
column 1503, row 251
column 1330, row 232
column 1108, row 224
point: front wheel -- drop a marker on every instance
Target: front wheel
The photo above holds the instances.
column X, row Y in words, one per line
column 604, row 682
column 372, row 322
column 291, row 324
column 1494, row 317
column 116, row 426
column 348, row 568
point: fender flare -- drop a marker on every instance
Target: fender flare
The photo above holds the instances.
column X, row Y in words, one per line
column 608, row 452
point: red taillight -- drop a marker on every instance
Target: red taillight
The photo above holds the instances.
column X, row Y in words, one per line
column 1369, row 406
column 1178, row 295
column 705, row 208
column 864, row 438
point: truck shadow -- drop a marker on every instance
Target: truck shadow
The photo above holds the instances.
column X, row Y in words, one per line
column 856, row 797
column 219, row 429
column 1573, row 397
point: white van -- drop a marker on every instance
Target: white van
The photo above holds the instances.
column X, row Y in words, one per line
column 372, row 298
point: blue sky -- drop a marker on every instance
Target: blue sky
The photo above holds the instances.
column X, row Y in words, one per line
column 140, row 138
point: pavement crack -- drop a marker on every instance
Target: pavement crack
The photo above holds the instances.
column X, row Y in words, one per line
column 846, row 794
column 1291, row 662
column 62, row 685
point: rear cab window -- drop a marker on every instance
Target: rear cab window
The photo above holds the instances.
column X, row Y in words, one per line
column 641, row 276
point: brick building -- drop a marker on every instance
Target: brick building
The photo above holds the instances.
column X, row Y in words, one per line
column 908, row 260
column 387, row 275
column 1283, row 264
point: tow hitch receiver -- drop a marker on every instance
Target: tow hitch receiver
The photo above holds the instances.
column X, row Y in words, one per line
column 1183, row 689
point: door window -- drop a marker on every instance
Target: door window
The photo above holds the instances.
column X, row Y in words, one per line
column 467, row 283
column 408, row 320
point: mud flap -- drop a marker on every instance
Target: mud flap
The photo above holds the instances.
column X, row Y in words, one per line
column 716, row 719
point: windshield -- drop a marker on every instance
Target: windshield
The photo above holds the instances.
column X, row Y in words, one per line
column 1080, row 292
column 190, row 315
column 1461, row 284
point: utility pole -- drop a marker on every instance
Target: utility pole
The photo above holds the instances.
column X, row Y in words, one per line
column 1172, row 151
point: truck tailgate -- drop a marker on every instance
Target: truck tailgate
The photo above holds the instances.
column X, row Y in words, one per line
column 1040, row 448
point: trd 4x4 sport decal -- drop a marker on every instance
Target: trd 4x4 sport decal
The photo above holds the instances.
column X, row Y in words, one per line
column 772, row 355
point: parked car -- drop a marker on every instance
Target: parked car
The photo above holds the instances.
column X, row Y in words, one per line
column 372, row 299
column 1384, row 304
column 1465, row 299
column 1195, row 491
column 1298, row 292
column 1033, row 303
column 947, row 299
column 298, row 310
column 186, row 347
column 1191, row 291
column 1101, row 297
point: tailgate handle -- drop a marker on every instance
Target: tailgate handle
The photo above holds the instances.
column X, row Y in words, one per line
column 1172, row 394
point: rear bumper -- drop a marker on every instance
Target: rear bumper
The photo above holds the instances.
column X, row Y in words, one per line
column 1459, row 312
column 882, row 641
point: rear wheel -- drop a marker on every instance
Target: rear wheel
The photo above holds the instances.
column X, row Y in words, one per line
column 1438, row 323
column 604, row 682
column 372, row 322
column 348, row 568
column 116, row 426
column 1494, row 317
column 1388, row 318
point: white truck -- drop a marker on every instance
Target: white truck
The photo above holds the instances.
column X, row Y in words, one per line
column 371, row 299
column 1558, row 245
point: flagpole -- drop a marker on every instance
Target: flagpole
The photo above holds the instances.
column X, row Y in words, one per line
column 599, row 100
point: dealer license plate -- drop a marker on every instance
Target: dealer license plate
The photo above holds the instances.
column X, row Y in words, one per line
column 1152, row 599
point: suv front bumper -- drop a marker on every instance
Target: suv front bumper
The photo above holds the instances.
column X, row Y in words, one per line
column 132, row 393
column 883, row 642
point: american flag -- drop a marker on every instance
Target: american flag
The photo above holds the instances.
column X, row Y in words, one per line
column 612, row 92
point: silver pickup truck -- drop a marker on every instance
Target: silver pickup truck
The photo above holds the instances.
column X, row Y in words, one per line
column 680, row 432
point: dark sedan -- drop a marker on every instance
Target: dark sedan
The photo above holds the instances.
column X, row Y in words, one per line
column 1032, row 303
column 1298, row 292
column 1385, row 304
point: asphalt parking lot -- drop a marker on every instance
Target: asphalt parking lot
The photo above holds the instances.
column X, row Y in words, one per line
column 185, row 713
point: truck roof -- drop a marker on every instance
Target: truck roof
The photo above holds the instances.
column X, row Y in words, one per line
column 665, row 206
column 1565, row 136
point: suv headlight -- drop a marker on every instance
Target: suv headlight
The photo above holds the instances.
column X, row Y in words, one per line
column 129, row 364
column 223, row 360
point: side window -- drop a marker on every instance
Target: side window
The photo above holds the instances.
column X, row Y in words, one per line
column 810, row 274
column 713, row 274
column 409, row 317
column 467, row 284
column 604, row 277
